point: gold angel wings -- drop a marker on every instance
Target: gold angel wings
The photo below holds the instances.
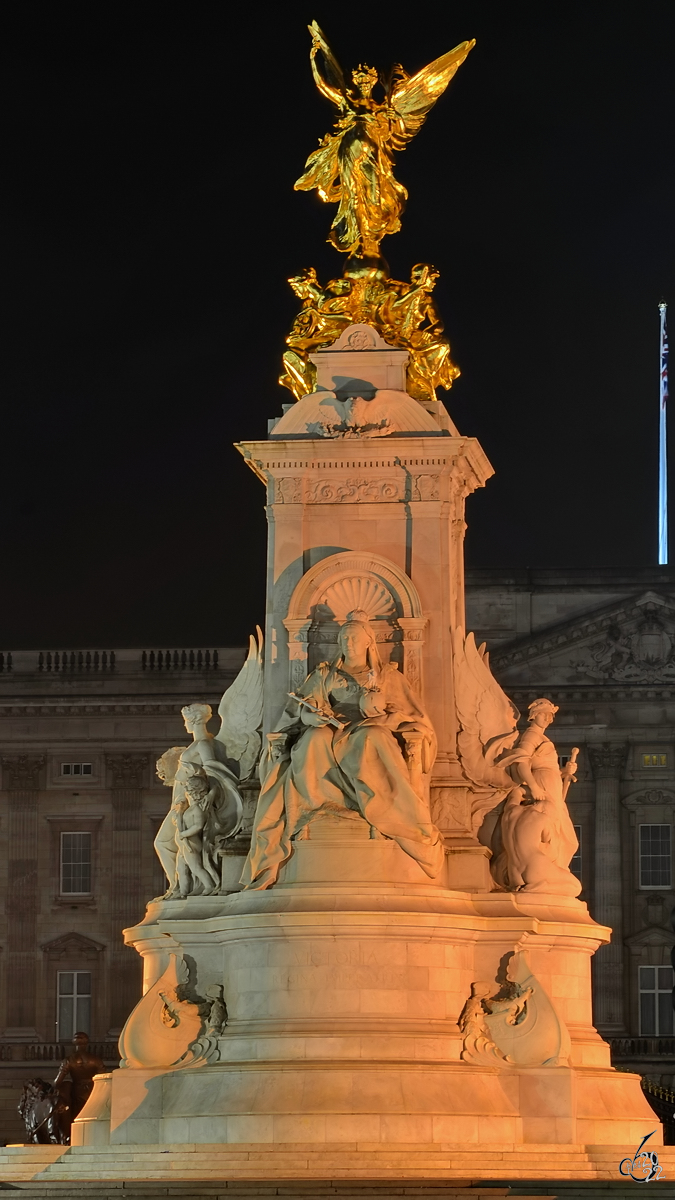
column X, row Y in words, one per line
column 353, row 166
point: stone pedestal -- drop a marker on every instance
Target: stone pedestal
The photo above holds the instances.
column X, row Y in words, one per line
column 353, row 1042
column 343, row 999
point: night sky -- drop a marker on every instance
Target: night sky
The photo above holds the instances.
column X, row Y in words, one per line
column 149, row 225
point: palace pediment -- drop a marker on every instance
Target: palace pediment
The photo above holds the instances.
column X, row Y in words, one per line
column 628, row 642
column 72, row 945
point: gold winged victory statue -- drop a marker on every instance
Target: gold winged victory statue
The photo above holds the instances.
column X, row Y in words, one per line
column 354, row 168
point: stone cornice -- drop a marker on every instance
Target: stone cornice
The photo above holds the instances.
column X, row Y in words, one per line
column 304, row 463
column 569, row 693
column 103, row 708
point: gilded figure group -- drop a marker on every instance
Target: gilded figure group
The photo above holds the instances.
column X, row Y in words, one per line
column 404, row 314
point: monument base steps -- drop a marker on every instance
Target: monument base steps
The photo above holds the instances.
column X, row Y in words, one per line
column 362, row 1166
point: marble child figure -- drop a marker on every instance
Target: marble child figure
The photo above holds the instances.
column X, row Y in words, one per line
column 339, row 747
column 193, row 861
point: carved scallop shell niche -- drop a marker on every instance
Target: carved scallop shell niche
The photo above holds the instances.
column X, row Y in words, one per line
column 337, row 586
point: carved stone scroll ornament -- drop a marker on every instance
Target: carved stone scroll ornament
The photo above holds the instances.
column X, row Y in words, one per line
column 517, row 1025
column 354, row 491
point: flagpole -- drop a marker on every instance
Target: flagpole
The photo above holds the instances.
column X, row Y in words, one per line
column 663, row 450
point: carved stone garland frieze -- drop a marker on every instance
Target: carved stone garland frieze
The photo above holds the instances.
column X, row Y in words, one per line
column 354, row 491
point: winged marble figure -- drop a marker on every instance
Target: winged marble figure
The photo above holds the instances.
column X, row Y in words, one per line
column 206, row 805
column 519, row 790
column 353, row 166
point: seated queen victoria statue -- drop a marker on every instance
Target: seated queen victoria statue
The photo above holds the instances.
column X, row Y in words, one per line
column 342, row 744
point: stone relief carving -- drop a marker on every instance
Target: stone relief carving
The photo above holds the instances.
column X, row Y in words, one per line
column 358, row 591
column 352, row 491
column 517, row 1025
column 288, row 490
column 354, row 738
column 127, row 770
column 630, row 643
column 639, row 653
column 70, row 945
column 206, row 805
column 656, row 910
column 449, row 808
column 477, row 1045
column 648, row 797
column 164, row 1024
column 205, row 1049
column 171, row 1026
column 519, row 808
column 426, row 487
column 23, row 771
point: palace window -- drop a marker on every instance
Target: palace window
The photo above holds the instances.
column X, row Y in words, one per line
column 73, row 1004
column 76, row 768
column 655, row 760
column 75, row 864
column 655, row 856
column 575, row 864
column 656, row 1001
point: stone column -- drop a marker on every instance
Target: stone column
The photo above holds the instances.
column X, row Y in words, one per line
column 608, row 983
column 128, row 774
column 21, row 776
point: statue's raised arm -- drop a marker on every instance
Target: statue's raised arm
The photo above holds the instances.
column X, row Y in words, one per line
column 332, row 84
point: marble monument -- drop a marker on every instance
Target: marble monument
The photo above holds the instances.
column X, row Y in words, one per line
column 402, row 970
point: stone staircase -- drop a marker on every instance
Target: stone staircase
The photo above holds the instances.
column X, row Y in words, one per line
column 348, row 1169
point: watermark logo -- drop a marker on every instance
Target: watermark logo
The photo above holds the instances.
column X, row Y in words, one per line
column 644, row 1166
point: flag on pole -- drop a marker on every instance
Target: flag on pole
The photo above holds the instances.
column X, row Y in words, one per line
column 663, row 451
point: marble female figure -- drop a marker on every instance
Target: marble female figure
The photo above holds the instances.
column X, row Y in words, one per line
column 341, row 749
column 165, row 841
